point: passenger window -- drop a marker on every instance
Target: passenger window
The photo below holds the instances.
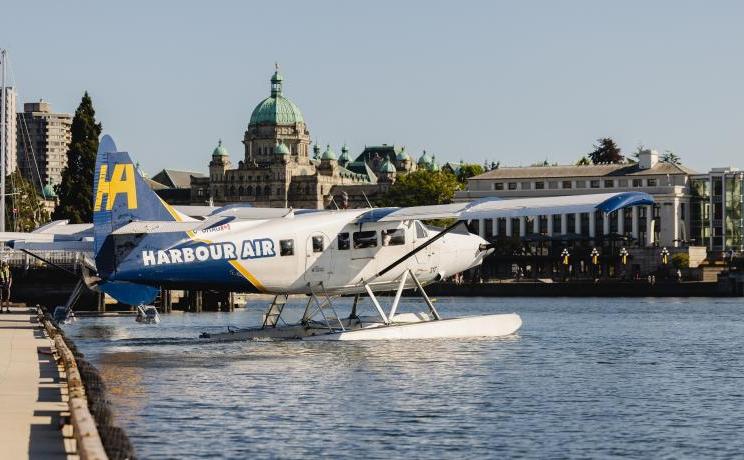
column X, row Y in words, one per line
column 343, row 241
column 420, row 230
column 286, row 247
column 317, row 244
column 365, row 239
column 393, row 237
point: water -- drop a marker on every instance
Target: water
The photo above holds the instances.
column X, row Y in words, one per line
column 583, row 378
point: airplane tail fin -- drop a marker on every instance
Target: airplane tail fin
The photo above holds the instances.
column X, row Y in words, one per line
column 120, row 196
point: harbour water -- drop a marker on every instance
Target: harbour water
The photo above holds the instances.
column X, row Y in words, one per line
column 583, row 378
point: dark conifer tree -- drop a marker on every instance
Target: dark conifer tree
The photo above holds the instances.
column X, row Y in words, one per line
column 606, row 152
column 76, row 189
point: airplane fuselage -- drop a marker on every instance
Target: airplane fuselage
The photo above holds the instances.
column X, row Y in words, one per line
column 302, row 253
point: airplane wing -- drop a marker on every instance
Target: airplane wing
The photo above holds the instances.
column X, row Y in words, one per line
column 492, row 208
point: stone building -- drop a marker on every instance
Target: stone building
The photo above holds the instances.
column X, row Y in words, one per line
column 280, row 168
column 666, row 224
column 43, row 140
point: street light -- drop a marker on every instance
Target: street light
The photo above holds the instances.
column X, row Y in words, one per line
column 624, row 256
column 595, row 256
column 664, row 256
column 565, row 256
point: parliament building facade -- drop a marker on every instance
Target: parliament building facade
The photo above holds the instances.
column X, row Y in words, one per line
column 280, row 167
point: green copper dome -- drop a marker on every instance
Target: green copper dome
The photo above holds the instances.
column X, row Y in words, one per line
column 276, row 109
column 402, row 155
column 328, row 154
column 387, row 167
column 344, row 155
column 425, row 159
column 220, row 151
column 281, row 149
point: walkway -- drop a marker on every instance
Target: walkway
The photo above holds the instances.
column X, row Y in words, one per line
column 33, row 392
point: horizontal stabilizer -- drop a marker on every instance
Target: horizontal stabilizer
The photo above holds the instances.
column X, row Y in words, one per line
column 129, row 293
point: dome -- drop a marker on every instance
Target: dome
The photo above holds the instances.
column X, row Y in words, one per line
column 387, row 167
column 220, row 151
column 425, row 159
column 344, row 154
column 276, row 109
column 49, row 192
column 402, row 155
column 281, row 149
column 328, row 154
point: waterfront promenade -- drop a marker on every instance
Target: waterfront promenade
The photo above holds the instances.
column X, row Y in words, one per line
column 33, row 392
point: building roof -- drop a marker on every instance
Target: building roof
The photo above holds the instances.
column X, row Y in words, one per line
column 276, row 109
column 155, row 185
column 220, row 150
column 546, row 172
column 174, row 178
column 328, row 154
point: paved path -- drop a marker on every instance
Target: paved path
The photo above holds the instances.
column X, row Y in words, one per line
column 33, row 394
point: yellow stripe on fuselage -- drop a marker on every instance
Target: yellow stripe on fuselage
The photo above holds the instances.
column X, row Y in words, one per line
column 247, row 275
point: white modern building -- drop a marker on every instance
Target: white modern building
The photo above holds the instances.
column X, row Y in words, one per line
column 667, row 223
column 9, row 136
column 43, row 140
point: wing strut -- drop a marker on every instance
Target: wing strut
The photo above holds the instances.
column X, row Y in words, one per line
column 417, row 250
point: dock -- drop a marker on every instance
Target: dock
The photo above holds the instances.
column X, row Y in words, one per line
column 33, row 391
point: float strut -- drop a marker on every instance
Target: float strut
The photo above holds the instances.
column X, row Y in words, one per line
column 426, row 297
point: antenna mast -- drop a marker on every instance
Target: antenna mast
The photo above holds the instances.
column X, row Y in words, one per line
column 4, row 142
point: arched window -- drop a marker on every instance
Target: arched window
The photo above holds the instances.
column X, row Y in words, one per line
column 279, row 191
column 258, row 190
column 249, row 190
column 267, row 190
column 240, row 190
column 232, row 191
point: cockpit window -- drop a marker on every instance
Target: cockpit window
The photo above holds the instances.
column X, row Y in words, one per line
column 366, row 239
column 343, row 241
column 317, row 244
column 420, row 230
column 393, row 237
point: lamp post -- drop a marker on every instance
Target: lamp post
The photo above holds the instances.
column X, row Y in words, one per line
column 665, row 256
column 624, row 256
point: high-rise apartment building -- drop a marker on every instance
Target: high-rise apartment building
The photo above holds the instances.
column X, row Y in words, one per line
column 8, row 135
column 43, row 140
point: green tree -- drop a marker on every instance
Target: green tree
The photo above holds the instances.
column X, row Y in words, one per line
column 671, row 157
column 24, row 210
column 583, row 161
column 421, row 187
column 76, row 189
column 468, row 170
column 606, row 152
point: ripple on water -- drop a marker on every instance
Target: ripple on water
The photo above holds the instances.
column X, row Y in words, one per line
column 583, row 378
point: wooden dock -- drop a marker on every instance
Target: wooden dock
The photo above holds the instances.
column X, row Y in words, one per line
column 33, row 391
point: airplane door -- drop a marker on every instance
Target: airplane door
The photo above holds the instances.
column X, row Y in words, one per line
column 318, row 258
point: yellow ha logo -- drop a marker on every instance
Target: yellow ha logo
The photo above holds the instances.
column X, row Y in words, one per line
column 122, row 181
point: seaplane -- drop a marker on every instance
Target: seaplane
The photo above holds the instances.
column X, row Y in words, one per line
column 141, row 244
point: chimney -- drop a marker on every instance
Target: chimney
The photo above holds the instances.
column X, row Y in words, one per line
column 647, row 159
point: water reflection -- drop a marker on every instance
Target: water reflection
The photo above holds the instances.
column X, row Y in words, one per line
column 584, row 378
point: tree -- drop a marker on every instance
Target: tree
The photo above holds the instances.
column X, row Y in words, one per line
column 583, row 161
column 671, row 157
column 606, row 152
column 23, row 208
column 468, row 170
column 421, row 187
column 76, row 189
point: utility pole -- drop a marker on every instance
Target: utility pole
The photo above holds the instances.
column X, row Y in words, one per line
column 3, row 152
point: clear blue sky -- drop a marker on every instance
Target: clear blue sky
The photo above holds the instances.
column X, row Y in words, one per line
column 517, row 82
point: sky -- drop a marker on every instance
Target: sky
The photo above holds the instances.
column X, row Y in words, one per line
column 516, row 82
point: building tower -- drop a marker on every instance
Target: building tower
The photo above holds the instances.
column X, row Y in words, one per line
column 275, row 118
column 217, row 167
column 43, row 140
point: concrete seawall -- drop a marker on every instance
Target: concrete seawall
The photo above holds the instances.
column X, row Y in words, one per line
column 614, row 289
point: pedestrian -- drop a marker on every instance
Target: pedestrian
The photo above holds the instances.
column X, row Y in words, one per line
column 6, row 280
